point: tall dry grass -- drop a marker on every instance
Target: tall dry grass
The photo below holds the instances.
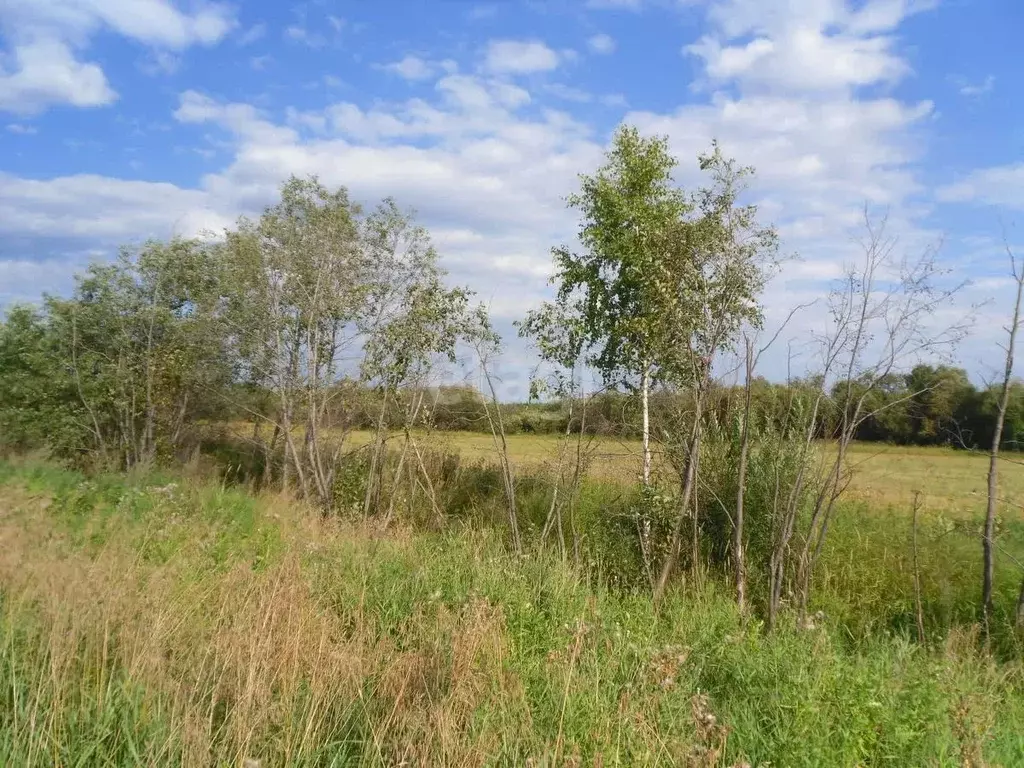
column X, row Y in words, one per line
column 220, row 667
column 148, row 623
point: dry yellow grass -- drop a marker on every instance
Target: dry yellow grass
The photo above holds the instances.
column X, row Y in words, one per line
column 241, row 663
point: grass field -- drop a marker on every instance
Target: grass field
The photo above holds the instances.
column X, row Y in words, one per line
column 166, row 620
column 951, row 482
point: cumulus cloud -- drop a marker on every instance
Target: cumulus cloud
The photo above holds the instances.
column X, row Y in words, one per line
column 152, row 22
column 520, row 57
column 479, row 165
column 798, row 89
column 46, row 73
column 103, row 209
column 805, row 45
column 43, row 37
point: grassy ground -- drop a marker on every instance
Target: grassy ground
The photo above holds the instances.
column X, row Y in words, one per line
column 159, row 621
column 950, row 482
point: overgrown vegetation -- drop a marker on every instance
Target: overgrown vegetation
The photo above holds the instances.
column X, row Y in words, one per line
column 163, row 619
column 362, row 594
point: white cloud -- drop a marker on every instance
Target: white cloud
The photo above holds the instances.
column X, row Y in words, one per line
column 519, row 57
column 479, row 166
column 820, row 160
column 805, row 45
column 300, row 34
column 487, row 163
column 21, row 128
column 152, row 22
column 47, row 73
column 241, row 119
column 43, row 36
column 601, row 44
column 485, row 176
column 313, row 121
column 98, row 207
column 999, row 185
column 319, row 31
column 790, row 104
column 24, row 281
column 789, row 94
column 568, row 93
column 411, row 68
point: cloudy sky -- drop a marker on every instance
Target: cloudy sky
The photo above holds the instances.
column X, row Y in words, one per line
column 127, row 119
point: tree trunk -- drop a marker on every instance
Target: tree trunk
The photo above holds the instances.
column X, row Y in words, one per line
column 645, row 392
column 148, row 450
column 988, row 540
column 554, row 512
column 689, row 479
column 988, row 554
column 101, row 444
column 695, row 520
column 738, row 555
column 824, row 505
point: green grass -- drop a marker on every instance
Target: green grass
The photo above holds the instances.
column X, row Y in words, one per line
column 163, row 621
column 950, row 482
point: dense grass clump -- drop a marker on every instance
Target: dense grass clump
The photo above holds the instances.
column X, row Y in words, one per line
column 153, row 620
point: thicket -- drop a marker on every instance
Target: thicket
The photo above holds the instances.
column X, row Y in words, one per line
column 320, row 318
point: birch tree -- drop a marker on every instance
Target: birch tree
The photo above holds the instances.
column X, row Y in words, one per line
column 715, row 264
column 145, row 343
column 606, row 291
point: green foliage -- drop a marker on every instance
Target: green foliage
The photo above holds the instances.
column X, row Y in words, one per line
column 665, row 280
column 777, row 453
column 607, row 301
column 38, row 404
column 116, row 372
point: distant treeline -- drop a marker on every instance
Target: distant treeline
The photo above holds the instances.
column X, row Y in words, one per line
column 42, row 404
column 932, row 405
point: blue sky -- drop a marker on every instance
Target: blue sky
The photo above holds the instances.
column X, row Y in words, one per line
column 127, row 119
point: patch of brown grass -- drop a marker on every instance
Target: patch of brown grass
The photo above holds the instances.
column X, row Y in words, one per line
column 249, row 665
